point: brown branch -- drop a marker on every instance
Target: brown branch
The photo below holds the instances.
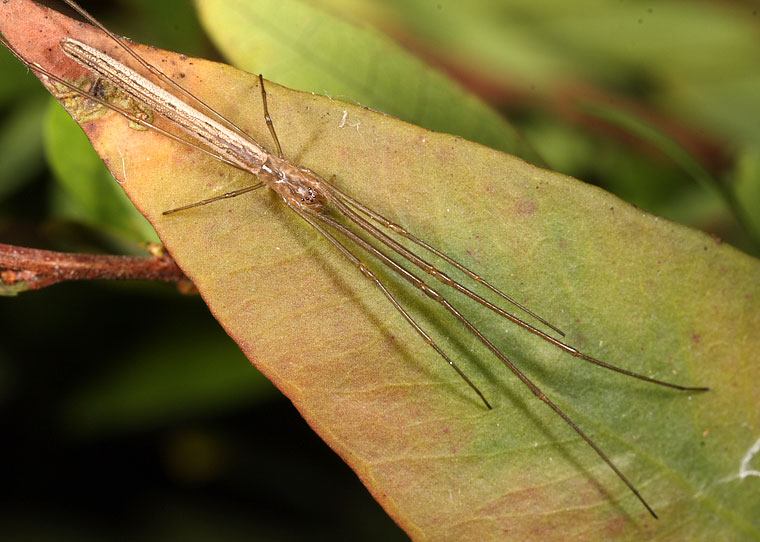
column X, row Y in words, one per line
column 31, row 269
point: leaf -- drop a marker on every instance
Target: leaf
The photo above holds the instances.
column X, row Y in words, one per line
column 340, row 60
column 627, row 287
column 22, row 150
column 13, row 86
column 96, row 199
column 695, row 58
column 747, row 185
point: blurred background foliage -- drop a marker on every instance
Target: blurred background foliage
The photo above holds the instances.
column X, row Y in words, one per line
column 127, row 412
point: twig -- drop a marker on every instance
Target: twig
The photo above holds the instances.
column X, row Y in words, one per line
column 31, row 269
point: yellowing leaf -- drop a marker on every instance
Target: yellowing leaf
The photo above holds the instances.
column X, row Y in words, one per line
column 627, row 287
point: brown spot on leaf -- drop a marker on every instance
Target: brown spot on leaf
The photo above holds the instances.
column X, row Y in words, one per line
column 526, row 207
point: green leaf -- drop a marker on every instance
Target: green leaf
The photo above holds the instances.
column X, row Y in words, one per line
column 96, row 199
column 697, row 59
column 338, row 59
column 13, row 85
column 21, row 144
column 747, row 186
column 627, row 287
